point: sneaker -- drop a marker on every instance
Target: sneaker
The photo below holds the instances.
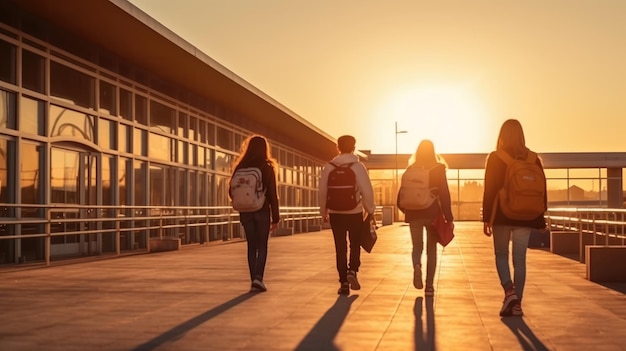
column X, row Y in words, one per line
column 430, row 291
column 510, row 299
column 354, row 282
column 258, row 284
column 344, row 289
column 517, row 310
column 417, row 277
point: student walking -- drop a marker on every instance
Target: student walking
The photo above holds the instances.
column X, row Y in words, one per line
column 345, row 193
column 511, row 209
column 253, row 194
column 423, row 195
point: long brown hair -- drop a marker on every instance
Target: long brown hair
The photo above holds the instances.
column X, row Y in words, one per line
column 255, row 150
column 425, row 155
column 511, row 139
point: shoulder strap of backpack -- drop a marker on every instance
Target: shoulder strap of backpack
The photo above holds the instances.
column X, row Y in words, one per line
column 532, row 157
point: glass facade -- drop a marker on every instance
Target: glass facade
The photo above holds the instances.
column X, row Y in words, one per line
column 86, row 143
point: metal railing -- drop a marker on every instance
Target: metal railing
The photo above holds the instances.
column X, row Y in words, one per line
column 43, row 233
column 607, row 226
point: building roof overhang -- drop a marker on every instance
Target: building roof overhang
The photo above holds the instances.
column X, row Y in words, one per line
column 123, row 29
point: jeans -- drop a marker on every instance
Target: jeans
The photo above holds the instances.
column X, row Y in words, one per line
column 257, row 228
column 342, row 224
column 417, row 237
column 502, row 234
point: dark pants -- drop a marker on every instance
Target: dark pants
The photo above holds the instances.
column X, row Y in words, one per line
column 342, row 224
column 257, row 228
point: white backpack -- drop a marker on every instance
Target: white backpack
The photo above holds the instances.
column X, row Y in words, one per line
column 415, row 191
column 246, row 190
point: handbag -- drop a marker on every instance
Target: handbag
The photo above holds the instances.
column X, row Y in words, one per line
column 445, row 229
column 368, row 234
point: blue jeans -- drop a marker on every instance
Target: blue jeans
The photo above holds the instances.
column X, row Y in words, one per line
column 341, row 223
column 417, row 237
column 502, row 234
column 257, row 228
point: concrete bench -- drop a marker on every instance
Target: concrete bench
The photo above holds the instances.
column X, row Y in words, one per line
column 164, row 244
column 284, row 231
column 564, row 242
column 606, row 263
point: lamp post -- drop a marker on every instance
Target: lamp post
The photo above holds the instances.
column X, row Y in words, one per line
column 395, row 183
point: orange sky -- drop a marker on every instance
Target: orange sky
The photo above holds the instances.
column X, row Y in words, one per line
column 450, row 70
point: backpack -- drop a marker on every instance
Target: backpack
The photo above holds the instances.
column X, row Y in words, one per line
column 523, row 195
column 341, row 192
column 246, row 190
column 415, row 192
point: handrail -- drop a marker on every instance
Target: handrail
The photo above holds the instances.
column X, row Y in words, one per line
column 129, row 228
column 607, row 226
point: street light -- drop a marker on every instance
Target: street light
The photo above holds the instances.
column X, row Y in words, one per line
column 395, row 183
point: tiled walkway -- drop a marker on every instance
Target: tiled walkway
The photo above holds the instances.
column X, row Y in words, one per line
column 197, row 299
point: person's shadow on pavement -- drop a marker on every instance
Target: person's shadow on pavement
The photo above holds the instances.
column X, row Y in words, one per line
column 424, row 337
column 322, row 335
column 527, row 339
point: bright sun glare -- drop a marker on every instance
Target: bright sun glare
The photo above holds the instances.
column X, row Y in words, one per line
column 451, row 117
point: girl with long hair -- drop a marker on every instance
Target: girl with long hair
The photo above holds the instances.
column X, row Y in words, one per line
column 255, row 152
column 503, row 229
column 418, row 219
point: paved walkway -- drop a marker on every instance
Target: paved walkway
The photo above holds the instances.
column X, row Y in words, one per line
column 197, row 299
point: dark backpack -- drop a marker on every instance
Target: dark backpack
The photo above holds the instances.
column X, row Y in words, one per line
column 341, row 190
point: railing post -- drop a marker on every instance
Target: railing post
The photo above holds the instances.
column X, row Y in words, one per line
column 48, row 240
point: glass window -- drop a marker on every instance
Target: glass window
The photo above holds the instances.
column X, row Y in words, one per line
column 71, row 85
column 64, row 170
column 123, row 177
column 202, row 131
column 584, row 173
column 193, row 127
column 7, row 109
column 108, row 177
column 181, row 151
column 201, row 156
column 182, row 125
column 66, row 122
column 140, row 181
column 157, row 174
column 106, row 134
column 124, row 140
column 556, row 173
column 108, row 100
column 126, row 104
column 8, row 59
column 224, row 138
column 33, row 71
column 159, row 147
column 139, row 142
column 162, row 118
column 141, row 109
column 211, row 134
column 222, row 161
column 7, row 175
column 32, row 116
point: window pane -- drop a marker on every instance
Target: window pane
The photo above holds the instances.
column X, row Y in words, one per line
column 66, row 122
column 8, row 59
column 7, row 109
column 139, row 142
column 162, row 118
column 126, row 104
column 160, row 147
column 124, row 138
column 32, row 116
column 33, row 71
column 108, row 175
column 30, row 168
column 7, row 174
column 106, row 134
column 64, row 176
column 141, row 109
column 108, row 98
column 71, row 85
column 224, row 138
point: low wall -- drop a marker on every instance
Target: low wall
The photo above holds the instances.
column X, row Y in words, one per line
column 164, row 244
column 606, row 263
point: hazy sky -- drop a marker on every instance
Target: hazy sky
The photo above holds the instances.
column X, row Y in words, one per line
column 448, row 70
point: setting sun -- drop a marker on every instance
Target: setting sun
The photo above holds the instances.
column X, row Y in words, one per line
column 451, row 116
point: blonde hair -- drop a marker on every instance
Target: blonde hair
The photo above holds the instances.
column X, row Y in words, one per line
column 425, row 155
column 511, row 139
